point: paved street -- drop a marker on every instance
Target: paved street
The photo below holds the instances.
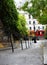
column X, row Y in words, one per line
column 30, row 56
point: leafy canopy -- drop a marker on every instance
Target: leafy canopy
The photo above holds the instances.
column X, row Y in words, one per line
column 38, row 10
column 8, row 15
column 21, row 25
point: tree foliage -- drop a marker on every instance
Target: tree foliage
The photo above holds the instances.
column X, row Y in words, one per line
column 21, row 25
column 38, row 10
column 24, row 7
column 8, row 15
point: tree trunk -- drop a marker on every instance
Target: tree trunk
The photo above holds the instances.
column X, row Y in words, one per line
column 11, row 40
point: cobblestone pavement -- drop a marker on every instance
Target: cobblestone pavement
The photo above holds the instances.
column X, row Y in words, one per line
column 30, row 56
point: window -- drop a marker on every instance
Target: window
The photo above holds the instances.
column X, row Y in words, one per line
column 33, row 22
column 29, row 22
column 38, row 27
column 29, row 16
column 43, row 27
column 34, row 28
column 30, row 28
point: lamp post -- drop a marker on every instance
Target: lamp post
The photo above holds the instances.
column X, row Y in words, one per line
column 34, row 32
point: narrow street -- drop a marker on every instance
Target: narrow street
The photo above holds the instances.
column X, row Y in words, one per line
column 23, row 32
column 30, row 56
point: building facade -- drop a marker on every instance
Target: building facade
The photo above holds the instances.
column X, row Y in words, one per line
column 34, row 27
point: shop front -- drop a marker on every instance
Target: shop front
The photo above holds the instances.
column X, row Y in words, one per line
column 40, row 33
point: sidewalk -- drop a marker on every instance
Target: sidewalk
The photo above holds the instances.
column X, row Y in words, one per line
column 30, row 56
column 45, row 53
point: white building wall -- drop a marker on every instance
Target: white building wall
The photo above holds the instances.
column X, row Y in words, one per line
column 28, row 25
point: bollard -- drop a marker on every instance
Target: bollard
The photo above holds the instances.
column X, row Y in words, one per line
column 21, row 44
column 28, row 43
column 25, row 44
column 30, row 40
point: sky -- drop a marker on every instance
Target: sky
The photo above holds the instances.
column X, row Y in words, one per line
column 20, row 2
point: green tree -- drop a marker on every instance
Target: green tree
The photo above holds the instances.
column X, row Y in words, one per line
column 21, row 25
column 24, row 7
column 9, row 16
column 38, row 10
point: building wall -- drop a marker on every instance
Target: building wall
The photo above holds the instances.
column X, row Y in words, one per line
column 31, row 22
